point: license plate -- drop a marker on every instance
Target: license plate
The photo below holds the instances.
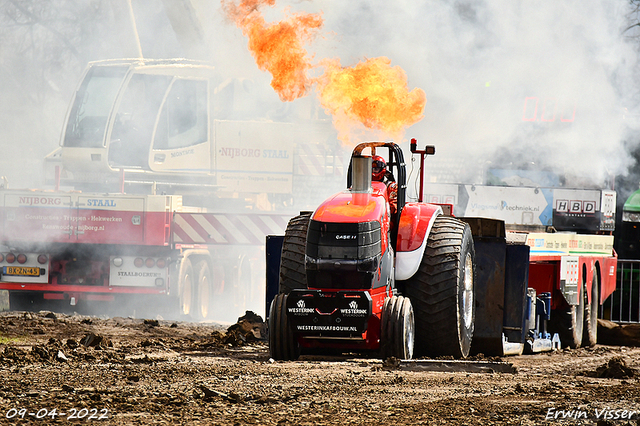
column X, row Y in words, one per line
column 24, row 271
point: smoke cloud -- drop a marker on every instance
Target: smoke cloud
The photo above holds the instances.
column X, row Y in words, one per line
column 550, row 83
column 542, row 84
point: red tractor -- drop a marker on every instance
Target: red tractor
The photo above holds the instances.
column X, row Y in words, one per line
column 365, row 272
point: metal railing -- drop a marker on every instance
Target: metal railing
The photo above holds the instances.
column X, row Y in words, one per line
column 623, row 306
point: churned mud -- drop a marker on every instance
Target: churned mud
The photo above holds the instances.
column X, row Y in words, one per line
column 60, row 369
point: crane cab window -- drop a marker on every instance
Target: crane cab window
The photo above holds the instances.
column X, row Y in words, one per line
column 183, row 120
column 135, row 120
column 92, row 106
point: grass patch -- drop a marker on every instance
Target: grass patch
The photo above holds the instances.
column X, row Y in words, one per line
column 4, row 340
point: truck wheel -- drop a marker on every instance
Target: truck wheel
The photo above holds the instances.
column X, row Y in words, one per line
column 186, row 288
column 590, row 336
column 294, row 245
column 283, row 345
column 442, row 291
column 569, row 322
column 204, row 291
column 242, row 285
column 397, row 328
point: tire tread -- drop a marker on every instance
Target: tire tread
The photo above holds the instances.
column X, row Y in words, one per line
column 434, row 290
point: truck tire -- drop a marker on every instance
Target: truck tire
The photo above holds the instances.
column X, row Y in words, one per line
column 397, row 328
column 241, row 291
column 442, row 291
column 568, row 323
column 294, row 245
column 283, row 345
column 590, row 333
column 186, row 288
column 203, row 290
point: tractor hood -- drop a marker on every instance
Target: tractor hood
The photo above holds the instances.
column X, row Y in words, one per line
column 354, row 207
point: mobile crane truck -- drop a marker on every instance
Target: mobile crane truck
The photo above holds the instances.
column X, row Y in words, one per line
column 166, row 181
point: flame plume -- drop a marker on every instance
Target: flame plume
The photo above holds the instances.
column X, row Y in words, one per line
column 278, row 48
column 372, row 93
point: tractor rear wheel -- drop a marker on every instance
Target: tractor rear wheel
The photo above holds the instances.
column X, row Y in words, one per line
column 292, row 268
column 397, row 329
column 283, row 345
column 590, row 336
column 442, row 291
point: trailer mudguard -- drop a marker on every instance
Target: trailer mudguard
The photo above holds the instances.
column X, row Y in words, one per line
column 500, row 288
column 415, row 224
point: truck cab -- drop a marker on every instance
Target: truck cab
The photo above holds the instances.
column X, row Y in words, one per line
column 141, row 115
column 175, row 126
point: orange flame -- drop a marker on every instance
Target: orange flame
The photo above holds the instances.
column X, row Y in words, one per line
column 278, row 48
column 372, row 93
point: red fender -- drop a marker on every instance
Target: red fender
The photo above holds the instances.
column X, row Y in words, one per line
column 413, row 230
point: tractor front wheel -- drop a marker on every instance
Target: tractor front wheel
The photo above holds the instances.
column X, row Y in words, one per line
column 283, row 345
column 442, row 291
column 397, row 329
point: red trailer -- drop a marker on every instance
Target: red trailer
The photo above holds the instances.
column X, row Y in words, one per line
column 77, row 248
column 579, row 271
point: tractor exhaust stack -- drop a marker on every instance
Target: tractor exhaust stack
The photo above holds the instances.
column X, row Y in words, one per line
column 361, row 174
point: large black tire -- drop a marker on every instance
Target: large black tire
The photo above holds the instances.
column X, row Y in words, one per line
column 294, row 245
column 186, row 289
column 568, row 322
column 204, row 292
column 283, row 345
column 397, row 328
column 442, row 291
column 590, row 333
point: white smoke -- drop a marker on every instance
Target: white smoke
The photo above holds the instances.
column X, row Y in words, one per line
column 502, row 77
column 484, row 66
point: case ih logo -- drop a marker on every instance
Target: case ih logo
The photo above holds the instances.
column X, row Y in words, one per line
column 39, row 201
column 346, row 237
column 576, row 206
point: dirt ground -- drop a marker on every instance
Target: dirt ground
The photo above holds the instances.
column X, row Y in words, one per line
column 60, row 369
